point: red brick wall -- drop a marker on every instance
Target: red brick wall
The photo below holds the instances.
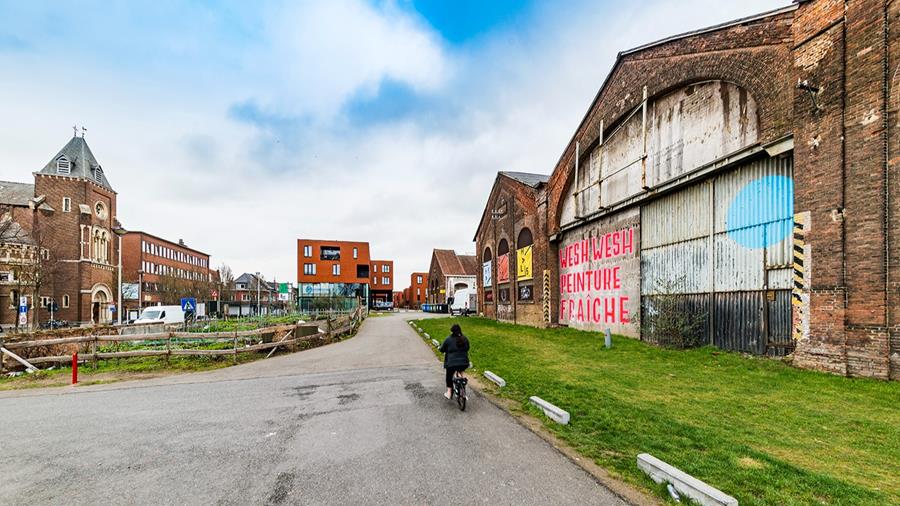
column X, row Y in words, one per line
column 840, row 178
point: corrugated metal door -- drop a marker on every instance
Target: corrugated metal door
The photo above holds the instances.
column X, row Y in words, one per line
column 724, row 247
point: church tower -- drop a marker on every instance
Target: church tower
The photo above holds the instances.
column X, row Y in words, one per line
column 76, row 235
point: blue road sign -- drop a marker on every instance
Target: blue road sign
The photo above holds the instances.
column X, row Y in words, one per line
column 23, row 309
column 188, row 304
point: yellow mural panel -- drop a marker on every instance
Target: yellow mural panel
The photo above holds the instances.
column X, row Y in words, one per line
column 523, row 263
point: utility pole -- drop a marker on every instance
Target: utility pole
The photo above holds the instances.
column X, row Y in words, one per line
column 119, row 231
column 258, row 314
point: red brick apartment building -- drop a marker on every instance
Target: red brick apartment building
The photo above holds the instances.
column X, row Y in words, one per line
column 165, row 271
column 332, row 273
column 418, row 289
column 382, row 287
column 763, row 195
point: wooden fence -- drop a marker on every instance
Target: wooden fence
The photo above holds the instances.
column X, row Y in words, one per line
column 282, row 335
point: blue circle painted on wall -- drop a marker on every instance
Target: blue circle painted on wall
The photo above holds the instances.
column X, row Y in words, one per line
column 761, row 214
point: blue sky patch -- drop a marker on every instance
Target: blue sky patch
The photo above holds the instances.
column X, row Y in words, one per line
column 459, row 21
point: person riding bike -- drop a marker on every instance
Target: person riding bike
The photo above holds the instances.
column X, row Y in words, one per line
column 456, row 355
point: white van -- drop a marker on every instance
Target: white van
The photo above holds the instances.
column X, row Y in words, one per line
column 465, row 301
column 161, row 314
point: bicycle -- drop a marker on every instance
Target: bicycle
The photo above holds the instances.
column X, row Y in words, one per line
column 459, row 390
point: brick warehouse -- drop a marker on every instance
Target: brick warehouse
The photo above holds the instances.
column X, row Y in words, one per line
column 749, row 169
column 511, row 243
column 449, row 272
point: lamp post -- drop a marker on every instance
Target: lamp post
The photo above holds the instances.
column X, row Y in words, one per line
column 119, row 231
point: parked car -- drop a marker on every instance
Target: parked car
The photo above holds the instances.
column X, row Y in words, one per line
column 383, row 305
column 161, row 314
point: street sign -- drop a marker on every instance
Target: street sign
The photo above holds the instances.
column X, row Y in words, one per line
column 188, row 304
column 215, row 294
column 23, row 309
column 23, row 318
column 112, row 307
column 23, row 301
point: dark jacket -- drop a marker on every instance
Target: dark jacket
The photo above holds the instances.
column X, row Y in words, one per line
column 454, row 356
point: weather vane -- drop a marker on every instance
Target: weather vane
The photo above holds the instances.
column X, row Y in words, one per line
column 83, row 130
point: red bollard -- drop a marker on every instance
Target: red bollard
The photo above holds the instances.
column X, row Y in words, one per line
column 75, row 368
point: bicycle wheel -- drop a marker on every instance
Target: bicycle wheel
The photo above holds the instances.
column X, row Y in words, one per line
column 461, row 398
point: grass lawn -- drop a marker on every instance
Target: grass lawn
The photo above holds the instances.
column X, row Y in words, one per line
column 757, row 429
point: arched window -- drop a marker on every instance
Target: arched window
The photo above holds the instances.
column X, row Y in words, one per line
column 525, row 238
column 487, row 255
column 525, row 265
column 104, row 246
column 502, row 248
column 63, row 166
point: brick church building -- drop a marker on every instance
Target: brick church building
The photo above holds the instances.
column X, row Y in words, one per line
column 67, row 219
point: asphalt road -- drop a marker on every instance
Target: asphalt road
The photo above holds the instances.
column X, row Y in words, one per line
column 358, row 422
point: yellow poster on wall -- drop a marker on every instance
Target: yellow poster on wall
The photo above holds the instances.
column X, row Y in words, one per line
column 523, row 263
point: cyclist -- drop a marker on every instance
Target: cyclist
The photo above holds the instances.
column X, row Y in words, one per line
column 456, row 355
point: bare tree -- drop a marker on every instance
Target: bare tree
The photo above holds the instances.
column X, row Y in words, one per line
column 226, row 283
column 18, row 255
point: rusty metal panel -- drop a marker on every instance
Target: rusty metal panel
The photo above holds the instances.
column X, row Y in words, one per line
column 780, row 279
column 736, row 267
column 739, row 322
column 757, row 322
column 676, row 268
column 621, row 185
column 696, row 125
column 780, row 341
column 624, row 147
column 754, row 202
column 678, row 217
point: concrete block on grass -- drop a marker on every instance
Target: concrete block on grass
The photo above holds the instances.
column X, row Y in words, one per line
column 427, row 336
column 496, row 379
column 554, row 413
column 435, row 343
column 685, row 484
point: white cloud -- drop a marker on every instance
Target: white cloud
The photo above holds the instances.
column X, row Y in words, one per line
column 322, row 53
column 184, row 169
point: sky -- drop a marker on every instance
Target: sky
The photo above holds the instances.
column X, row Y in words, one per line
column 240, row 127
